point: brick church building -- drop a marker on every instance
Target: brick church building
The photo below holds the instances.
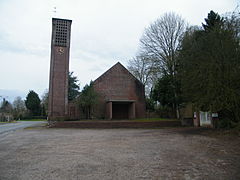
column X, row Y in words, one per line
column 120, row 96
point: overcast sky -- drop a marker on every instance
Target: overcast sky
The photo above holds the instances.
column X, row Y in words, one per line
column 103, row 33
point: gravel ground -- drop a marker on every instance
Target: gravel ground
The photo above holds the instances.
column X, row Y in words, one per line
column 173, row 153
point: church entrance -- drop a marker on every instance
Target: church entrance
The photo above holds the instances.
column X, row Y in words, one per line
column 120, row 109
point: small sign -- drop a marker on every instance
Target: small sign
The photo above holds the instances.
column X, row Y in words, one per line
column 215, row 115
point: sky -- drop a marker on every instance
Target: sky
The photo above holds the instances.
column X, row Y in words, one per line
column 103, row 33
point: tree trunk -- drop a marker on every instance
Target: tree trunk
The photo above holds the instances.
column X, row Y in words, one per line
column 177, row 111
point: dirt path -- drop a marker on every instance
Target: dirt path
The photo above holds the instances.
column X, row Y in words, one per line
column 174, row 153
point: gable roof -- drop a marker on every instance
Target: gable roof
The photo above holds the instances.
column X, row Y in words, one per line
column 117, row 65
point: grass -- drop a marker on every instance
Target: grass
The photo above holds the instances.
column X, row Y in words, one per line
column 6, row 122
column 153, row 119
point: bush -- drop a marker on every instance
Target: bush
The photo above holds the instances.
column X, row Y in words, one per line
column 226, row 120
column 225, row 124
column 34, row 117
column 6, row 117
column 165, row 112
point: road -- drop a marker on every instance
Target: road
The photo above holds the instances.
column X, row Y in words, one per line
column 4, row 128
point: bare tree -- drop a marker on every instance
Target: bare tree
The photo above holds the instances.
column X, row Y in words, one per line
column 160, row 41
column 19, row 108
column 44, row 102
column 144, row 69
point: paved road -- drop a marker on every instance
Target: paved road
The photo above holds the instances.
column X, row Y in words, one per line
column 4, row 128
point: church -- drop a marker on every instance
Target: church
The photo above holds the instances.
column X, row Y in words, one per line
column 121, row 95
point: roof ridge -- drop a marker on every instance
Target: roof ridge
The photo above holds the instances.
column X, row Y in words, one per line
column 118, row 63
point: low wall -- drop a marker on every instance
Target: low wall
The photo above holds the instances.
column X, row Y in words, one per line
column 115, row 124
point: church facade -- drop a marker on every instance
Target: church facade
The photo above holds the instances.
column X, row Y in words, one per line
column 121, row 95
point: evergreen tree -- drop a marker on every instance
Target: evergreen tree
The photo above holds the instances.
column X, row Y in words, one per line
column 210, row 61
column 32, row 103
column 6, row 106
column 73, row 87
column 87, row 99
column 213, row 21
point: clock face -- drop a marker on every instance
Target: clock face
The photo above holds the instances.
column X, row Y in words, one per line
column 60, row 50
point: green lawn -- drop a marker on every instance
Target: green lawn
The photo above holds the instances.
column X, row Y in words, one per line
column 5, row 122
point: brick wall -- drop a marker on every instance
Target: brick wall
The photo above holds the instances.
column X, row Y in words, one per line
column 119, row 84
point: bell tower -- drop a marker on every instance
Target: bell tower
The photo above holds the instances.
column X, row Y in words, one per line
column 59, row 69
